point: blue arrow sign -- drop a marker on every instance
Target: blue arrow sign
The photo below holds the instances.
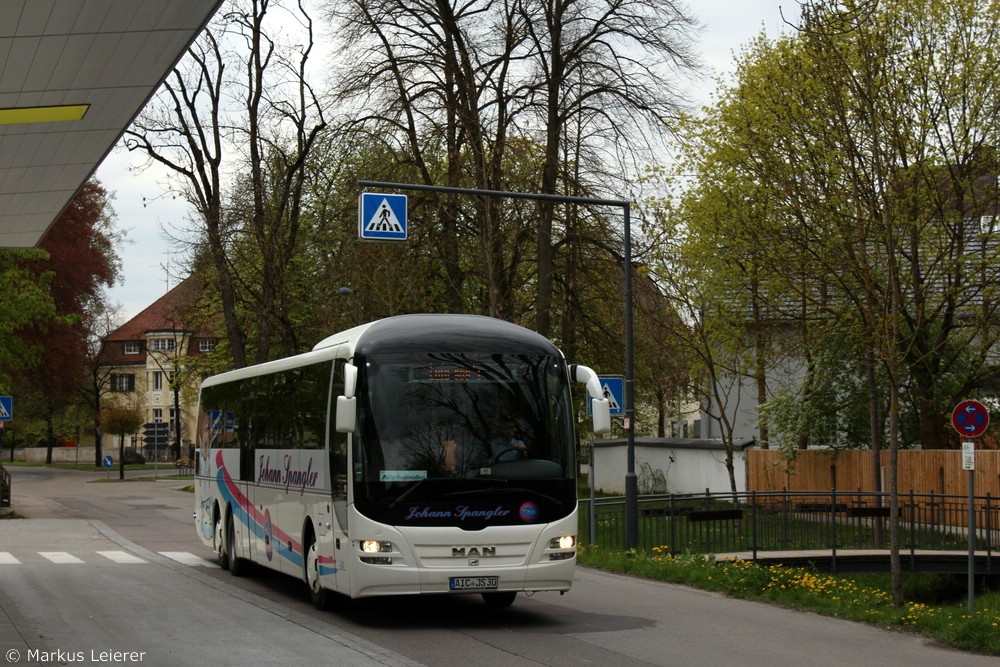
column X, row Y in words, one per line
column 382, row 217
column 107, row 462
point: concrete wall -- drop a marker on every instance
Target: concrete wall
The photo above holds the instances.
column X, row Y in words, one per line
column 673, row 465
column 82, row 455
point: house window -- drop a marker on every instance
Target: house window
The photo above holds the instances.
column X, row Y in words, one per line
column 123, row 382
column 157, row 381
column 206, row 345
column 131, row 347
column 163, row 344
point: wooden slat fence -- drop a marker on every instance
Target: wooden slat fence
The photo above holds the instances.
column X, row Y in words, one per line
column 937, row 472
column 925, row 471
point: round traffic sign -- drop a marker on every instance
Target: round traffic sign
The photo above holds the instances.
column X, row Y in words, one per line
column 108, row 461
column 970, row 418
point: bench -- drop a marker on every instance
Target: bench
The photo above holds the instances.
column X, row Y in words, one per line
column 821, row 507
column 715, row 515
column 868, row 512
column 664, row 511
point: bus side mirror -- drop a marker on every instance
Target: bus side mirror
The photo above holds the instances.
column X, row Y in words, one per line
column 347, row 404
column 347, row 414
column 601, row 409
column 350, row 380
column 600, row 406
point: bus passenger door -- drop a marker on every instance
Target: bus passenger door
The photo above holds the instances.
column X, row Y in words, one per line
column 339, row 448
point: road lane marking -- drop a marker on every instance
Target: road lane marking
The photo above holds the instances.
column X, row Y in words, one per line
column 7, row 558
column 60, row 557
column 185, row 558
column 123, row 557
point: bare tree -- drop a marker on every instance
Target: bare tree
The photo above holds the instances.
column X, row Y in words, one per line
column 251, row 145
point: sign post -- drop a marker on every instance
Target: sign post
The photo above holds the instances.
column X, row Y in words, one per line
column 971, row 419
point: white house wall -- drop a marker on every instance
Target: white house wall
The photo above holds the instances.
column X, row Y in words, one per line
column 686, row 469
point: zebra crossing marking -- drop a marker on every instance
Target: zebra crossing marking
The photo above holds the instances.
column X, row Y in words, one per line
column 122, row 557
column 60, row 557
column 118, row 557
column 185, row 558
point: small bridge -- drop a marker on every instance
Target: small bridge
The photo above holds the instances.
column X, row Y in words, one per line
column 875, row 560
column 832, row 531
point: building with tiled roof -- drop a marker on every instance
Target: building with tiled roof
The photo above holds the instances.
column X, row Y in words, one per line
column 149, row 363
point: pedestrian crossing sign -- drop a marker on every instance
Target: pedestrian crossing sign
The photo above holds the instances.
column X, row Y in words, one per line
column 382, row 217
column 614, row 390
column 6, row 408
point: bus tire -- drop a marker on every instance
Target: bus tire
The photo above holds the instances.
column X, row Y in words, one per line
column 322, row 598
column 218, row 540
column 499, row 599
column 237, row 566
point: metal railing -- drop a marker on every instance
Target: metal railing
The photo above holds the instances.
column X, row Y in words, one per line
column 753, row 522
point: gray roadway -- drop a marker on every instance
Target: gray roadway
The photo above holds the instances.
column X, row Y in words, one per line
column 179, row 609
column 101, row 609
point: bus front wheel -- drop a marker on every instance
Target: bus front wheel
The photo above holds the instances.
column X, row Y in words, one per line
column 321, row 598
column 501, row 599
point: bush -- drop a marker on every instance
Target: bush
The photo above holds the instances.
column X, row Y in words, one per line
column 133, row 456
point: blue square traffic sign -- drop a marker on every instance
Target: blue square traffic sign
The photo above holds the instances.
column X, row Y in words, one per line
column 614, row 390
column 6, row 408
column 382, row 217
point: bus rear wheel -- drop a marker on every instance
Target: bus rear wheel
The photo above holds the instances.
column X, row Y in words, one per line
column 236, row 565
column 501, row 599
column 220, row 543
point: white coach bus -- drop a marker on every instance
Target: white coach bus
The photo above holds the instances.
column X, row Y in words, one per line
column 418, row 454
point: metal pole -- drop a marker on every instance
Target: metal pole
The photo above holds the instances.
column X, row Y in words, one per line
column 972, row 541
column 592, row 512
column 631, row 483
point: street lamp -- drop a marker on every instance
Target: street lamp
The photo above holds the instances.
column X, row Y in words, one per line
column 631, row 485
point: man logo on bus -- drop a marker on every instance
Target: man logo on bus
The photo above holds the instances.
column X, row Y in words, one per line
column 472, row 552
column 528, row 512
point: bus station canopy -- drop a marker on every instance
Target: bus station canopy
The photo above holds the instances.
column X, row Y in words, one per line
column 73, row 76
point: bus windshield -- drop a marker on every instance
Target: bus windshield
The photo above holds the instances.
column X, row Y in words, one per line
column 447, row 433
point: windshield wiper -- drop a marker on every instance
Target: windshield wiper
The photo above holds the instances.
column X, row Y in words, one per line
column 404, row 494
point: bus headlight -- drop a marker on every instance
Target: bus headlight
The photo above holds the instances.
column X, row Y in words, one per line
column 376, row 547
column 566, row 545
column 563, row 542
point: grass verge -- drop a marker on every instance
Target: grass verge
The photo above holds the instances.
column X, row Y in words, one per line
column 934, row 611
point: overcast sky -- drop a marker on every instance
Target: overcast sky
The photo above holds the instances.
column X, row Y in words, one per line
column 144, row 210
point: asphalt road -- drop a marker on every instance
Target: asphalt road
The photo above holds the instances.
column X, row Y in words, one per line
column 109, row 572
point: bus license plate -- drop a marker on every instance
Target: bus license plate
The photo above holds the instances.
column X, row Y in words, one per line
column 473, row 583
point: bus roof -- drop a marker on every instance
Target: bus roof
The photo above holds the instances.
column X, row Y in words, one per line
column 411, row 334
column 440, row 332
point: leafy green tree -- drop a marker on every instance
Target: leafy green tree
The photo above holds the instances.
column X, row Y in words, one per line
column 75, row 263
column 878, row 200
column 29, row 305
column 121, row 421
